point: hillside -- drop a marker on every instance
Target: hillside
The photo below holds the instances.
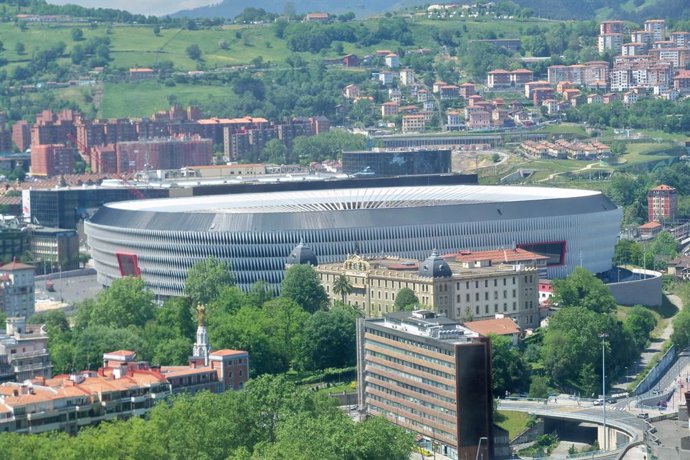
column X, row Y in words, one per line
column 633, row 10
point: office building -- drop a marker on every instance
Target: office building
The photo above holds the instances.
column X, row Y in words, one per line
column 397, row 162
column 430, row 375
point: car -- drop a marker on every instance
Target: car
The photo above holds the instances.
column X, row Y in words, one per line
column 643, row 415
column 611, row 400
column 655, row 392
column 598, row 402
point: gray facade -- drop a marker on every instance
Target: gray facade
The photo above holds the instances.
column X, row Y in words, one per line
column 257, row 232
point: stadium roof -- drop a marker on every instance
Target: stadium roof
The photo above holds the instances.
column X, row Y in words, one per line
column 350, row 199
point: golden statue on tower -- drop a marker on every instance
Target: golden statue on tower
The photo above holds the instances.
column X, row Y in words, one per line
column 201, row 315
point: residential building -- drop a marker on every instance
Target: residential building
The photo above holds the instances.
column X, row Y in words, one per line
column 392, row 61
column 436, row 87
column 386, row 77
column 681, row 39
column 104, row 159
column 52, row 159
column 17, row 289
column 413, row 123
column 467, row 90
column 681, row 82
column 610, row 43
column 532, row 85
column 455, row 289
column 657, row 27
column 611, row 27
column 389, row 109
column 633, row 49
column 679, row 58
column 24, row 351
column 595, row 98
column 394, row 94
column 497, row 79
column 650, row 230
column 552, row 106
column 521, row 76
column 609, row 98
column 171, row 153
column 449, row 92
column 590, row 74
column 21, row 135
column 407, row 77
column 541, row 94
column 644, row 37
column 317, row 17
column 630, row 98
column 454, row 120
column 141, row 73
column 430, row 375
column 350, row 60
column 662, row 204
column 479, row 119
column 351, row 92
column 422, row 95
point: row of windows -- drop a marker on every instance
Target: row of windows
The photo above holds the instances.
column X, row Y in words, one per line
column 411, row 399
column 412, row 354
column 386, row 382
column 406, row 341
column 416, row 378
column 411, row 365
column 411, row 410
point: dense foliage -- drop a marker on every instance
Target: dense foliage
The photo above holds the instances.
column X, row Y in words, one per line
column 269, row 419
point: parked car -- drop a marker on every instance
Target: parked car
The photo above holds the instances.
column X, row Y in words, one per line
column 643, row 415
column 599, row 402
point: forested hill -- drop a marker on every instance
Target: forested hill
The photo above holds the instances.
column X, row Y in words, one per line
column 634, row 10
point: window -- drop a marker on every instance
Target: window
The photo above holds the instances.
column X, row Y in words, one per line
column 495, row 295
column 486, row 309
column 495, row 282
column 504, row 281
column 476, row 309
column 467, row 297
column 514, row 306
column 476, row 296
column 486, row 283
column 486, row 296
column 476, row 284
column 467, row 285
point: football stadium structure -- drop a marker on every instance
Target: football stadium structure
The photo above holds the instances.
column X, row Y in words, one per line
column 160, row 239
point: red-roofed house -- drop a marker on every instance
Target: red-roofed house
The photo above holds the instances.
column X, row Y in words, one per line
column 650, row 230
column 498, row 78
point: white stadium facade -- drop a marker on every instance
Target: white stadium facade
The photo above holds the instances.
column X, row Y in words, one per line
column 160, row 239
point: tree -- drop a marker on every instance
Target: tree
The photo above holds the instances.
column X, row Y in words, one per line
column 19, row 48
column 508, row 367
column 206, row 278
column 342, row 287
column 582, row 289
column 301, row 284
column 640, row 322
column 77, row 34
column 127, row 302
column 156, row 30
column 539, row 387
column 275, row 152
column 406, row 300
column 329, row 338
column 681, row 329
column 194, row 52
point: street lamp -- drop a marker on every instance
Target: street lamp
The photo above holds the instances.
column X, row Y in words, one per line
column 603, row 337
column 479, row 447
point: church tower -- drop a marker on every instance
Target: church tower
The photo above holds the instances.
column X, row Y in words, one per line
column 201, row 348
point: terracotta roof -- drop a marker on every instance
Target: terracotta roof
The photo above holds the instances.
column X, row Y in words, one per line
column 499, row 326
column 497, row 255
column 498, row 71
column 14, row 265
column 650, row 226
column 522, row 71
column 664, row 187
column 228, row 352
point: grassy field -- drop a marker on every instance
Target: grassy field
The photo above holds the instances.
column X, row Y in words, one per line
column 145, row 98
column 514, row 422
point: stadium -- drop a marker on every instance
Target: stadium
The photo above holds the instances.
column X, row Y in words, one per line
column 160, row 239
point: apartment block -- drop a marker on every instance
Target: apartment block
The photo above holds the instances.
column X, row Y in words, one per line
column 430, row 375
column 657, row 27
column 681, row 39
column 610, row 43
column 611, row 27
column 681, row 82
column 662, row 204
column 467, row 90
column 23, row 351
column 168, row 153
column 498, row 78
column 413, row 123
column 17, row 289
column 52, row 159
column 21, row 135
column 644, row 37
column 679, row 58
column 633, row 49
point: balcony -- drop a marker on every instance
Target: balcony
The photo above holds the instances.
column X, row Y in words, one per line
column 138, row 399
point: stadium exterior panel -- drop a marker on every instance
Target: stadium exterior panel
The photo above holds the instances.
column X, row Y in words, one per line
column 161, row 239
